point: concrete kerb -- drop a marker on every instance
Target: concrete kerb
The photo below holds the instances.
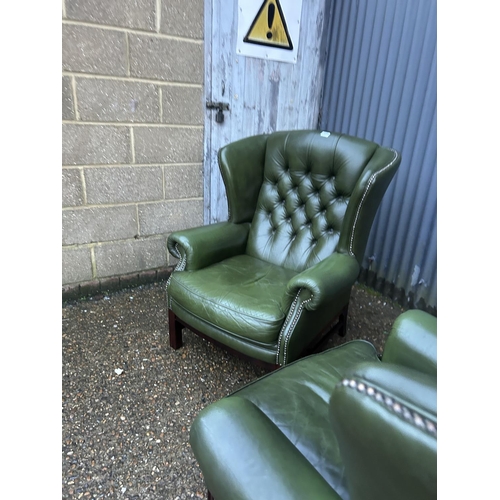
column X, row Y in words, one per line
column 114, row 283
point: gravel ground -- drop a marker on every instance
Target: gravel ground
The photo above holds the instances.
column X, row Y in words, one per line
column 129, row 400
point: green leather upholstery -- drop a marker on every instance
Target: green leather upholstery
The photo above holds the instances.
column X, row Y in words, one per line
column 280, row 270
column 339, row 424
column 413, row 343
column 385, row 421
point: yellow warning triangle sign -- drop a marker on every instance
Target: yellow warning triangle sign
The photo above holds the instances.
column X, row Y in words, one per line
column 269, row 27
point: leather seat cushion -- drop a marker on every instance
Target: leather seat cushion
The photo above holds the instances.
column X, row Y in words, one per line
column 289, row 395
column 241, row 295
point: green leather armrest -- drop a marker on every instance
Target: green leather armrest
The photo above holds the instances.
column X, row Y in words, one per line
column 244, row 456
column 206, row 245
column 385, row 420
column 321, row 283
column 412, row 342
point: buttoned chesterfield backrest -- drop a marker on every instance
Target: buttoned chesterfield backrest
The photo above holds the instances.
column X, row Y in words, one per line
column 307, row 201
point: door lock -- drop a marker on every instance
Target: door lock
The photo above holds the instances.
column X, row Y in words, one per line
column 220, row 107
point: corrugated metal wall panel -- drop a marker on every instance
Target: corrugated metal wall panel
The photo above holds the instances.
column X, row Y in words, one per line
column 380, row 84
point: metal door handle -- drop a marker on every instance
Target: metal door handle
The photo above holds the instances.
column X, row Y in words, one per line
column 220, row 107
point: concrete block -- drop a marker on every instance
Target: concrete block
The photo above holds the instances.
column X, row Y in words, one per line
column 168, row 145
column 183, row 105
column 128, row 13
column 129, row 256
column 116, row 101
column 163, row 274
column 94, row 50
column 165, row 59
column 72, row 193
column 95, row 144
column 148, row 277
column 90, row 288
column 76, row 265
column 183, row 181
column 110, row 284
column 129, row 280
column 123, row 184
column 68, row 106
column 182, row 18
column 165, row 217
column 70, row 292
column 91, row 225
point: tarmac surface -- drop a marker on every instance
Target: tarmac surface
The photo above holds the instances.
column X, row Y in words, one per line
column 129, row 399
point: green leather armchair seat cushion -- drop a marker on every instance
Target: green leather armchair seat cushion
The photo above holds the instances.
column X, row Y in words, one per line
column 301, row 390
column 226, row 296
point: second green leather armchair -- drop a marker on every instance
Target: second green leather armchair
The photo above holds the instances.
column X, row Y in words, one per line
column 341, row 424
column 278, row 274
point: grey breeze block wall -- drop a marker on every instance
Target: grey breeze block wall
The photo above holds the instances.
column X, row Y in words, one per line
column 132, row 137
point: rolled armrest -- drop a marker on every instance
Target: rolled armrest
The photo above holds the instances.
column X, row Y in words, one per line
column 323, row 282
column 384, row 418
column 412, row 342
column 243, row 455
column 206, row 245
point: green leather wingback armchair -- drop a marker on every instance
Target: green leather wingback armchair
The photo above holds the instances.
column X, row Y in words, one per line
column 341, row 424
column 268, row 282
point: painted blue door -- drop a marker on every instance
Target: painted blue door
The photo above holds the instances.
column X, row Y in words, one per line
column 262, row 95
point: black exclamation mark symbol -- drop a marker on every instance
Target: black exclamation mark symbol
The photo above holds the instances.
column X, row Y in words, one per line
column 270, row 18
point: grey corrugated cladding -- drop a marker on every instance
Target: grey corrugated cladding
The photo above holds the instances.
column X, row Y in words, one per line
column 380, row 84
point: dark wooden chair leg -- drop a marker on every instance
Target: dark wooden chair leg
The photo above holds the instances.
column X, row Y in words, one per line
column 342, row 329
column 174, row 330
